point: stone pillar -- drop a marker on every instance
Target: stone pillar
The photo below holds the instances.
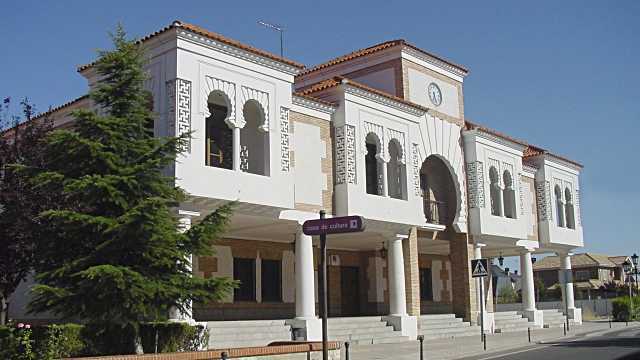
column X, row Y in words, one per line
column 566, row 281
column 528, row 289
column 184, row 224
column 489, row 323
column 412, row 272
column 463, row 286
column 398, row 316
column 385, row 185
column 306, row 322
column 236, row 148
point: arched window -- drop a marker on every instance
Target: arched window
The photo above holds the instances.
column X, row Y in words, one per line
column 509, row 196
column 396, row 171
column 559, row 207
column 496, row 192
column 254, row 144
column 568, row 207
column 218, row 135
column 373, row 165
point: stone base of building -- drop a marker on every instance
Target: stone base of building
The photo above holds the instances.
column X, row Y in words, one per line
column 306, row 329
column 407, row 325
column 576, row 315
column 534, row 316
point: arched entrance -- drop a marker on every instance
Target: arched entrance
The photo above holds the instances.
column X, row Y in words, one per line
column 438, row 191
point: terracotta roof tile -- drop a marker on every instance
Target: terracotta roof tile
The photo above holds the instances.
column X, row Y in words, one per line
column 50, row 111
column 313, row 98
column 577, row 261
column 213, row 36
column 374, row 49
column 337, row 80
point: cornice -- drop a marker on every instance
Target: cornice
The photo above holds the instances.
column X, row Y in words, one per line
column 236, row 52
column 383, row 100
column 529, row 168
column 494, row 138
column 311, row 104
column 558, row 160
column 434, row 61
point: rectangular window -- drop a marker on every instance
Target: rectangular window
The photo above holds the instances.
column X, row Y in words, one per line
column 426, row 284
column 244, row 271
column 583, row 275
column 271, row 281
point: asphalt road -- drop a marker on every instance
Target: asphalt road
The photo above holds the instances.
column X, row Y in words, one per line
column 622, row 344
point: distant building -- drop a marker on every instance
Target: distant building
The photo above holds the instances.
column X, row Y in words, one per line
column 590, row 272
column 503, row 278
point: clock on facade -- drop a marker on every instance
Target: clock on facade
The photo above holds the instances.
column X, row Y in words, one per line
column 435, row 95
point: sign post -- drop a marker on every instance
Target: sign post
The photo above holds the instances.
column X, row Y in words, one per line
column 322, row 227
column 479, row 270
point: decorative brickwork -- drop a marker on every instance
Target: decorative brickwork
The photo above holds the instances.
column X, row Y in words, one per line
column 543, row 200
column 475, row 183
column 411, row 272
column 463, row 285
column 179, row 108
column 285, row 139
column 346, row 154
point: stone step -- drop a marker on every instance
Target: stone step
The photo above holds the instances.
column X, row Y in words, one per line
column 248, row 329
column 371, row 340
column 243, row 343
column 458, row 324
column 378, row 324
column 440, row 321
column 243, row 323
column 438, row 317
column 349, row 320
column 505, row 314
column 511, row 321
column 280, row 334
column 366, row 330
column 450, row 330
column 469, row 331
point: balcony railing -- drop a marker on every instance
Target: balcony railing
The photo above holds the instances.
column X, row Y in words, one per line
column 435, row 211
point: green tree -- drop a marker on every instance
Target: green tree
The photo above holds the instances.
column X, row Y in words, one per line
column 507, row 295
column 20, row 145
column 111, row 251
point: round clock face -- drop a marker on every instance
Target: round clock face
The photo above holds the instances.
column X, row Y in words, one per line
column 434, row 94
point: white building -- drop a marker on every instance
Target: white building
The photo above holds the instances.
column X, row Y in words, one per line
column 380, row 133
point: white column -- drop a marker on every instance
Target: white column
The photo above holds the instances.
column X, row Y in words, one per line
column 305, row 289
column 184, row 224
column 397, row 293
column 566, row 280
column 385, row 183
column 528, row 289
column 236, row 148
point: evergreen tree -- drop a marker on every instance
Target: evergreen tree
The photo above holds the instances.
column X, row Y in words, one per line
column 110, row 250
column 21, row 143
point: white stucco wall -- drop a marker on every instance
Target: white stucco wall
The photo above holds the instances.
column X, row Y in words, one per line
column 309, row 152
column 418, row 84
column 384, row 80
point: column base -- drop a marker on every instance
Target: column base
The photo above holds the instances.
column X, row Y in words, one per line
column 306, row 329
column 407, row 325
column 534, row 316
column 489, row 322
column 576, row 315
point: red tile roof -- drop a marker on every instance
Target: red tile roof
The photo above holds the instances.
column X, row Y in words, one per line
column 374, row 49
column 213, row 36
column 50, row 111
column 338, row 80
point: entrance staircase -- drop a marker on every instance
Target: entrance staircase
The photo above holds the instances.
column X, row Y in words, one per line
column 510, row 321
column 445, row 326
column 245, row 333
column 554, row 319
column 363, row 330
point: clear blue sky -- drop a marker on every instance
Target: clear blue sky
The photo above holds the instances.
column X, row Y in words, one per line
column 560, row 74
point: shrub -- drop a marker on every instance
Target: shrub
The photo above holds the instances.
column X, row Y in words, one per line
column 58, row 341
column 622, row 309
column 507, row 295
column 109, row 339
column 172, row 337
column 16, row 342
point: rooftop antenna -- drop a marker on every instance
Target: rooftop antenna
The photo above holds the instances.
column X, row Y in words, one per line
column 277, row 28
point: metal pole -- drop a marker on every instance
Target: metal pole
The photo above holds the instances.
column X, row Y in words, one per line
column 567, row 274
column 482, row 338
column 421, row 339
column 346, row 347
column 564, row 329
column 529, row 333
column 323, row 290
column 282, row 43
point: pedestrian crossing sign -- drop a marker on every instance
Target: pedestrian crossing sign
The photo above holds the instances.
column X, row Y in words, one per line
column 480, row 268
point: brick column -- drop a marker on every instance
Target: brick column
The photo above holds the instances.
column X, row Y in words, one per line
column 411, row 272
column 463, row 287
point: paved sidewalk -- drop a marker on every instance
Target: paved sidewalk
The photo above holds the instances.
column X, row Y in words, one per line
column 471, row 346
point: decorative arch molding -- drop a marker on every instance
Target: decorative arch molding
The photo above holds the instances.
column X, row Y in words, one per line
column 211, row 84
column 398, row 136
column 459, row 184
column 378, row 131
column 262, row 98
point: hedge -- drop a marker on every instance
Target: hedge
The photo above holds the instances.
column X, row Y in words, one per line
column 622, row 309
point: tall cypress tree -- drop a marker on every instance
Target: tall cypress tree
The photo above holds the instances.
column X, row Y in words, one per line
column 110, row 250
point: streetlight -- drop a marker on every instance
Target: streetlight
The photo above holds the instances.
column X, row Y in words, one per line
column 634, row 260
column 501, row 260
column 626, row 266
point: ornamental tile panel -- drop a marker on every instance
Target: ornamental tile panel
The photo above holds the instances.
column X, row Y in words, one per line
column 285, row 140
column 415, row 162
column 543, row 201
column 179, row 109
column 345, row 154
column 475, row 183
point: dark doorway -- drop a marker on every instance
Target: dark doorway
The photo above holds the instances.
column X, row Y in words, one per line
column 244, row 270
column 350, row 290
column 426, row 284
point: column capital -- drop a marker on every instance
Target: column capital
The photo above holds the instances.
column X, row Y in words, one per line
column 525, row 251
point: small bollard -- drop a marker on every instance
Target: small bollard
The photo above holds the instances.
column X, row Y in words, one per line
column 484, row 341
column 564, row 328
column 225, row 356
column 346, row 350
column 529, row 333
column 421, row 339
